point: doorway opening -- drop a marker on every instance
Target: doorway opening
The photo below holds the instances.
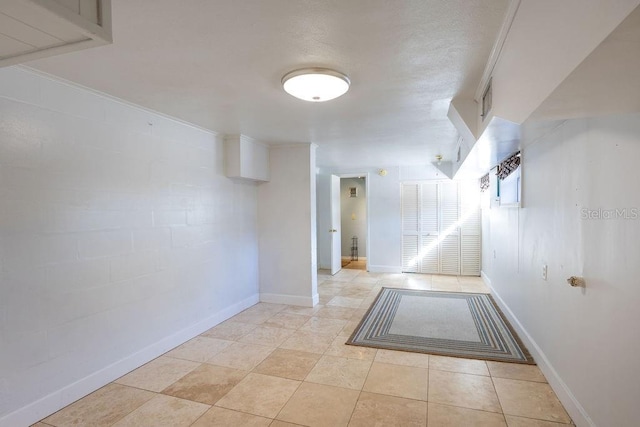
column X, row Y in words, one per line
column 353, row 222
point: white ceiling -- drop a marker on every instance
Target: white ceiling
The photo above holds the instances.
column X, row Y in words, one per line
column 218, row 64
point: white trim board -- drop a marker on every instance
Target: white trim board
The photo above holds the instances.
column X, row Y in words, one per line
column 34, row 412
column 576, row 411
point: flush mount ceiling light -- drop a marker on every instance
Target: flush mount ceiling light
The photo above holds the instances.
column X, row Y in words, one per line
column 315, row 84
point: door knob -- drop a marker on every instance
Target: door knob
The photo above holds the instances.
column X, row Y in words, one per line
column 333, row 230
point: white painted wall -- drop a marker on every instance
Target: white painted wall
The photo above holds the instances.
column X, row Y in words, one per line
column 287, row 227
column 586, row 341
column 120, row 238
column 353, row 206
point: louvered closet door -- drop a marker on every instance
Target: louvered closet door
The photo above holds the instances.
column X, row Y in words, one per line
column 449, row 229
column 441, row 228
column 410, row 227
column 429, row 225
column 470, row 227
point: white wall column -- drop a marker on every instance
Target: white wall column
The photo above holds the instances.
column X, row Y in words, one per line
column 287, row 227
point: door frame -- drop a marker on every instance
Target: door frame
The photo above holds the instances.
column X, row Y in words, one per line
column 367, row 188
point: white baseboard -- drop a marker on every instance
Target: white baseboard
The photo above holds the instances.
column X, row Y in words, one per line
column 34, row 412
column 384, row 269
column 486, row 279
column 574, row 408
column 289, row 299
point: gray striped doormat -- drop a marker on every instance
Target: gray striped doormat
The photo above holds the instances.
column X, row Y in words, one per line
column 445, row 323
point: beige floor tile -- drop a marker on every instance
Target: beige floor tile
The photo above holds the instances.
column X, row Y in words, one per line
column 479, row 288
column 278, row 423
column 265, row 307
column 365, row 280
column 255, row 317
column 452, row 416
column 291, row 364
column 328, row 291
column 345, row 275
column 465, row 390
column 158, row 374
column 332, row 312
column 324, row 299
column 516, row 371
column 444, row 278
column 230, row 330
column 267, row 336
column 199, row 349
column 391, row 283
column 323, row 326
column 319, row 405
column 241, row 356
column 41, row 424
column 206, row 384
column 458, row 364
column 221, row 417
column 395, row 380
column 360, row 286
column 340, row 349
column 358, row 314
column 349, row 328
column 370, row 274
column 340, row 372
column 367, row 302
column 529, row 422
column 437, row 285
column 101, row 408
column 379, row 410
column 303, row 311
column 418, row 283
column 308, row 341
column 259, row 394
column 403, row 358
column 333, row 284
column 164, row 411
column 287, row 321
column 341, row 301
column 355, row 293
column 530, row 399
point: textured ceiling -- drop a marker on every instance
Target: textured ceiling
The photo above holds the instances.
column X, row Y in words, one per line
column 218, row 64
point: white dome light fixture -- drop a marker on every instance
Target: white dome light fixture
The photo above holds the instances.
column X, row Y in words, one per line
column 316, row 84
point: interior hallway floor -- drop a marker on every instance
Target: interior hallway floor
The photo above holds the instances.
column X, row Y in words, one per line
column 360, row 264
column 279, row 365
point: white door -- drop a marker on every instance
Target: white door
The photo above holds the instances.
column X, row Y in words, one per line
column 429, row 228
column 441, row 228
column 470, row 226
column 336, row 243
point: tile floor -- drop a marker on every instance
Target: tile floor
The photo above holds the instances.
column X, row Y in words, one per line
column 279, row 365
